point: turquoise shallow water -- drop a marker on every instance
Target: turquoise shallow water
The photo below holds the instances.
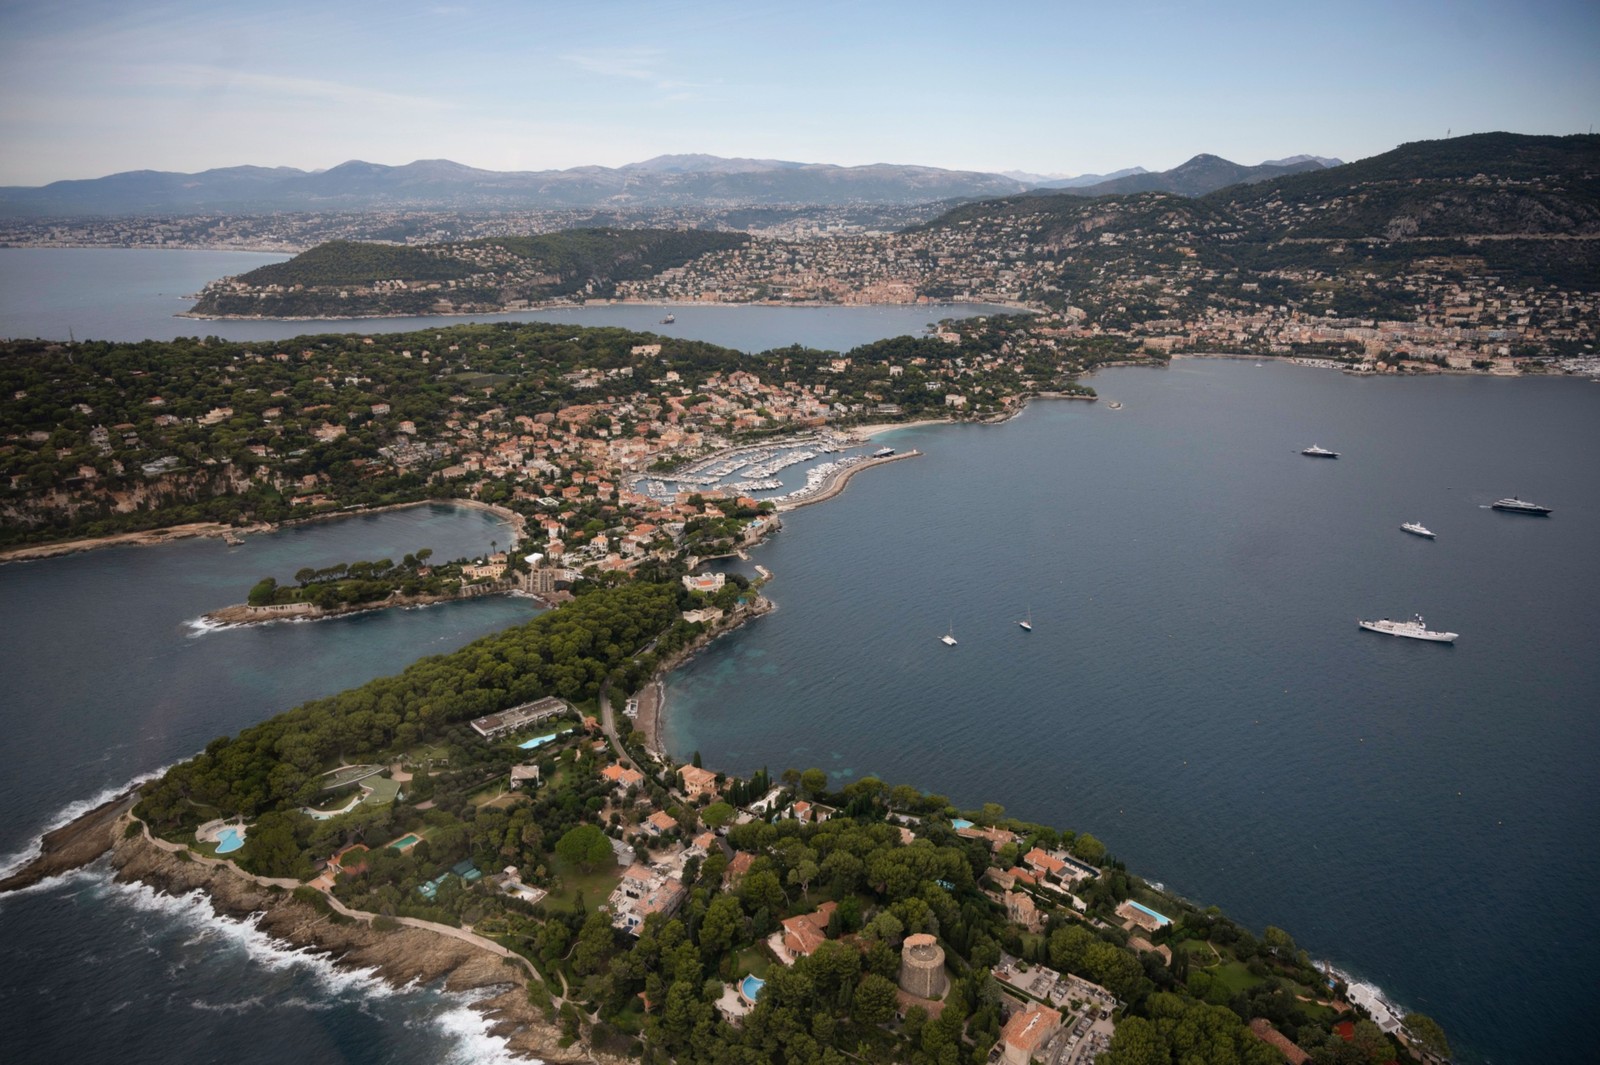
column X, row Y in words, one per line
column 1195, row 690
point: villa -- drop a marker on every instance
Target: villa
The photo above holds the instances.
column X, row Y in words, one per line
column 623, row 777
column 491, row 726
column 698, row 782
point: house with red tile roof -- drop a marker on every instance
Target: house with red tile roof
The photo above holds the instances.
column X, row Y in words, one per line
column 623, row 777
column 807, row 932
column 698, row 782
column 1026, row 1032
column 1267, row 1034
column 659, row 822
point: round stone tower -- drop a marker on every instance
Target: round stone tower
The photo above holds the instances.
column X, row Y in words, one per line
column 922, row 967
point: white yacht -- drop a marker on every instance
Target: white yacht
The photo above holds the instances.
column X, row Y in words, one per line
column 1416, row 528
column 1028, row 623
column 949, row 638
column 1416, row 629
column 1319, row 452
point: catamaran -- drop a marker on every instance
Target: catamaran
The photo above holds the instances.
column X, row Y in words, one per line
column 949, row 638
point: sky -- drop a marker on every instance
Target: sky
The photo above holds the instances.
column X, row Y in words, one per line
column 89, row 87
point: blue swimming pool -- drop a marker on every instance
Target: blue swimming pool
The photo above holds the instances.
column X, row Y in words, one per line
column 1160, row 917
column 229, row 841
column 750, row 987
column 537, row 741
column 960, row 822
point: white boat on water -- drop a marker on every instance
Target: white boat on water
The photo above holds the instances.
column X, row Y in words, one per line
column 1027, row 624
column 1416, row 528
column 1317, row 452
column 1416, row 629
column 949, row 638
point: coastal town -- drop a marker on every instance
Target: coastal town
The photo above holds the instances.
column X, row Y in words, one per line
column 589, row 455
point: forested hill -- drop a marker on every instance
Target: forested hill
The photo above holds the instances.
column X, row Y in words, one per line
column 1481, row 185
column 1520, row 208
column 350, row 279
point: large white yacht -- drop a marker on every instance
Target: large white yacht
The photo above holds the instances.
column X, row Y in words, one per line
column 1416, row 629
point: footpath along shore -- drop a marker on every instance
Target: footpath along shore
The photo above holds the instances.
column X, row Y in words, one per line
column 409, row 951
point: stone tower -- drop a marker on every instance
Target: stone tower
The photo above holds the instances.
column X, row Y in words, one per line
column 922, row 967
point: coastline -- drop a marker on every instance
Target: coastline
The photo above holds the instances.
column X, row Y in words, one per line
column 151, row 537
column 1006, row 306
column 840, row 480
column 653, row 697
column 411, row 952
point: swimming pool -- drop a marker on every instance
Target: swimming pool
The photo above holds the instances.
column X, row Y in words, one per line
column 960, row 822
column 229, row 841
column 537, row 741
column 1160, row 917
column 410, row 839
column 750, row 987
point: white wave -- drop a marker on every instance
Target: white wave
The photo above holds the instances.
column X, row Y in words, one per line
column 474, row 1045
column 68, row 814
column 1370, row 997
column 202, row 625
column 195, row 911
column 78, row 878
column 467, row 1030
column 242, row 1006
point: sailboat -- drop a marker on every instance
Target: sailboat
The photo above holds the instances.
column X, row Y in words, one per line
column 949, row 638
column 1028, row 624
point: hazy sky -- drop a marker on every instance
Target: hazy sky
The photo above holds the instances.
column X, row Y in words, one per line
column 89, row 88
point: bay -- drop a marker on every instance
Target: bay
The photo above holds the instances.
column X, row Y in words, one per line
column 107, row 678
column 1195, row 691
column 134, row 293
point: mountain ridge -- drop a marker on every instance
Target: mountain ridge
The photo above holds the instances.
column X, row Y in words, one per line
column 664, row 180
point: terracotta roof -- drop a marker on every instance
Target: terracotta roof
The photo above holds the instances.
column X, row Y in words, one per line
column 807, row 932
column 1028, row 1028
column 1267, row 1034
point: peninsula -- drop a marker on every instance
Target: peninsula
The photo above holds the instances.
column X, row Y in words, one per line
column 469, row 830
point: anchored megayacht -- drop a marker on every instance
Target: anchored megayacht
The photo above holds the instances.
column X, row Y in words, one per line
column 1520, row 506
column 1416, row 630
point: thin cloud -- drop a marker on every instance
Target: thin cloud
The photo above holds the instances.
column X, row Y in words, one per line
column 636, row 64
column 221, row 80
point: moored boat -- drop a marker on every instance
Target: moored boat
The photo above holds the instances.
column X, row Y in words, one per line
column 1416, row 629
column 1416, row 528
column 1513, row 505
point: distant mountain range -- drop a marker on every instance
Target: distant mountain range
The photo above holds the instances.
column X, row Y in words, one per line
column 667, row 180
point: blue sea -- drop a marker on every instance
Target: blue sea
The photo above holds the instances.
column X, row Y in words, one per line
column 1195, row 691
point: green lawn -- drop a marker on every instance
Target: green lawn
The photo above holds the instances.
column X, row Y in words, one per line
column 1234, row 976
column 753, row 960
column 595, row 886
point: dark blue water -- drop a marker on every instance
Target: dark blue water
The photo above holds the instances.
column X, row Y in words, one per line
column 107, row 679
column 1195, row 691
column 132, row 294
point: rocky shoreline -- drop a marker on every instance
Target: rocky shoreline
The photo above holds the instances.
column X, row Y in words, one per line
column 412, row 952
column 245, row 614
